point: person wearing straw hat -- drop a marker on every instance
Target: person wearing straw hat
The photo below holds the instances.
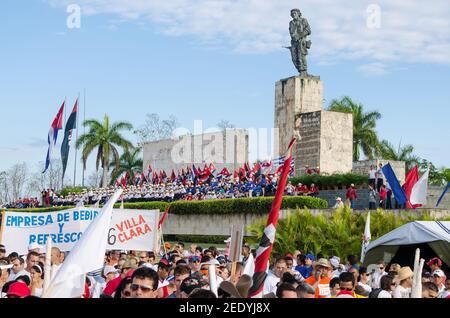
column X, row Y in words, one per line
column 320, row 281
column 403, row 290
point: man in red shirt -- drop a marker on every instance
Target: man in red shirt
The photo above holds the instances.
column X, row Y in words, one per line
column 302, row 189
column 351, row 195
column 127, row 270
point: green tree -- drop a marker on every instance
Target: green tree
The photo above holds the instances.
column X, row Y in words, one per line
column 405, row 153
column 106, row 138
column 436, row 177
column 130, row 162
column 365, row 137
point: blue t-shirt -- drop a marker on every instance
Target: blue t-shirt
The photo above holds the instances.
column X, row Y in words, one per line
column 305, row 271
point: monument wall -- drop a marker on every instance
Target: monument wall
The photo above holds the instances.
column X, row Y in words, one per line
column 363, row 167
column 228, row 150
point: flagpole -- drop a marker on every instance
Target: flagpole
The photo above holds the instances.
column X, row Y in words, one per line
column 76, row 149
column 63, row 129
column 84, row 130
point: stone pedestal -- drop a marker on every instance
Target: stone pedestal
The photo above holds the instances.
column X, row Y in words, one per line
column 326, row 137
column 326, row 142
column 295, row 95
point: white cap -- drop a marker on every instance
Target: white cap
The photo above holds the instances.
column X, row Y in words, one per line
column 439, row 273
column 34, row 246
column 109, row 269
column 335, row 261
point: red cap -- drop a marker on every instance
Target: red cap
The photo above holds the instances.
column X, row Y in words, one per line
column 435, row 260
column 19, row 289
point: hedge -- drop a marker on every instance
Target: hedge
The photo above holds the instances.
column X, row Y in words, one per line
column 334, row 180
column 259, row 205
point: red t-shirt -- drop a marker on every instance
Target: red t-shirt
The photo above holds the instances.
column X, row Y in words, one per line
column 112, row 286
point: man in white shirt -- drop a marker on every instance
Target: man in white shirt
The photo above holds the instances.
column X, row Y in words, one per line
column 55, row 260
column 403, row 290
column 17, row 269
column 380, row 177
column 376, row 276
column 372, row 176
column 273, row 278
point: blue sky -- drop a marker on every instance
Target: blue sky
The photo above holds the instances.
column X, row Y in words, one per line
column 137, row 57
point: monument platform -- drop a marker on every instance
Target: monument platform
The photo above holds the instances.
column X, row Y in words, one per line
column 326, row 137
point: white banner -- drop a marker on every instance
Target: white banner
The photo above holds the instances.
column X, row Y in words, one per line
column 130, row 229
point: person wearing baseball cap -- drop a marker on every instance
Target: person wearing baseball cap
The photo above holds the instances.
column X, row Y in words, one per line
column 320, row 281
column 305, row 267
column 18, row 290
column 110, row 272
column 439, row 279
column 435, row 264
column 405, row 277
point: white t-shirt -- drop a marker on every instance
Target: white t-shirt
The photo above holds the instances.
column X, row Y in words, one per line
column 270, row 285
column 12, row 276
column 376, row 277
column 365, row 286
column 384, row 294
column 372, row 174
column 401, row 292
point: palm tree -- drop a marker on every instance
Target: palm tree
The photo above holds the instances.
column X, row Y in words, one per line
column 405, row 153
column 129, row 162
column 106, row 138
column 364, row 134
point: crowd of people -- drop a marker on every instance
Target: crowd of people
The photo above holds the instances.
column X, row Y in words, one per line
column 177, row 272
column 214, row 187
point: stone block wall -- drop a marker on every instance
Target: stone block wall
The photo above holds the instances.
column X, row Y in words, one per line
column 228, row 150
column 362, row 167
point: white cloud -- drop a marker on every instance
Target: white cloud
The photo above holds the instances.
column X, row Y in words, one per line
column 410, row 30
column 373, row 69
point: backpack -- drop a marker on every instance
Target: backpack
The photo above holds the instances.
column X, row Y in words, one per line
column 374, row 293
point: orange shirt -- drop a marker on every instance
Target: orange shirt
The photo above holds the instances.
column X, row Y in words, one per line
column 323, row 288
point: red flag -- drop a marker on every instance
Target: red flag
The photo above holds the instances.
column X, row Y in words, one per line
column 266, row 244
column 172, row 176
column 163, row 218
column 235, row 174
column 411, row 179
column 212, row 167
column 224, row 172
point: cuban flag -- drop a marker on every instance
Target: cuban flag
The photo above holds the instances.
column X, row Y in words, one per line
column 279, row 162
column 265, row 246
column 53, row 135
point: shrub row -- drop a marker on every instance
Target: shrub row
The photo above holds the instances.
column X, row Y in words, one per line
column 261, row 205
column 334, row 180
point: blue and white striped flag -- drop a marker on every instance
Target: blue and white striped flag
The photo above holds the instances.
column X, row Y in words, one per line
column 279, row 162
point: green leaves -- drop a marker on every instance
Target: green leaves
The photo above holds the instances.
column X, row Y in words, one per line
column 336, row 234
column 106, row 138
column 364, row 124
